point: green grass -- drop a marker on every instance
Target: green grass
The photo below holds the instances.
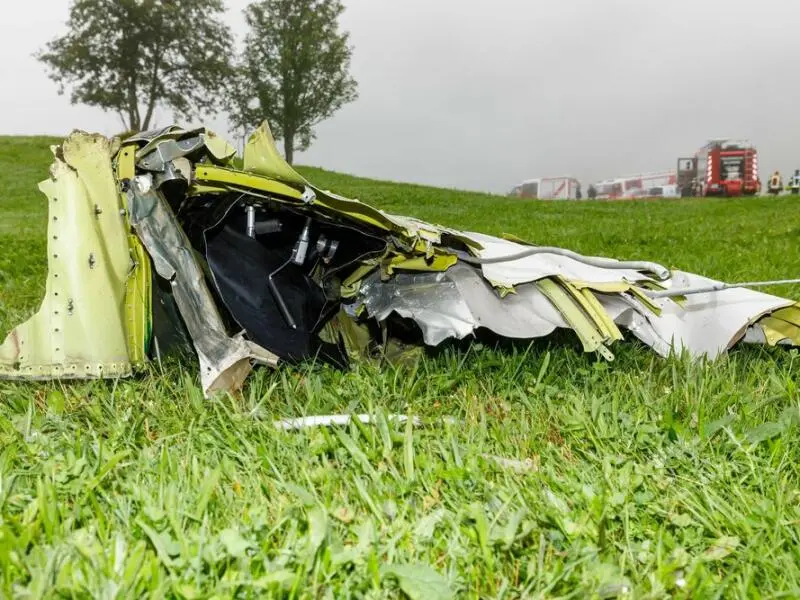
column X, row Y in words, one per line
column 660, row 477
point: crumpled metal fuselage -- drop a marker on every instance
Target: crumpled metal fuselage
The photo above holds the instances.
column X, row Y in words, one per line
column 168, row 238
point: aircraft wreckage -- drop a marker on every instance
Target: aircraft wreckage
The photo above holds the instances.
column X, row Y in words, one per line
column 168, row 238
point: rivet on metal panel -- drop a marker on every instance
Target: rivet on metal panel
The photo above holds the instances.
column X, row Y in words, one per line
column 91, row 260
column 70, row 306
column 97, row 211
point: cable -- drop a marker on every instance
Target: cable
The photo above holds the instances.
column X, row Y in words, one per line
column 276, row 293
column 662, row 273
column 717, row 287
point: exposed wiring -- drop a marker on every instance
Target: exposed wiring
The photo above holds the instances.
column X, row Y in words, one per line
column 661, row 272
column 717, row 287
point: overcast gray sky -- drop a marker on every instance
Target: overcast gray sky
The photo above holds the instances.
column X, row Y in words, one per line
column 481, row 94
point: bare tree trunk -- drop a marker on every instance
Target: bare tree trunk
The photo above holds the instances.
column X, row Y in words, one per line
column 153, row 94
column 288, row 146
column 147, row 117
column 134, row 118
column 133, row 121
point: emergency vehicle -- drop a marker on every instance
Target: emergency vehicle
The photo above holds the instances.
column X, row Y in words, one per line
column 644, row 185
column 548, row 188
column 723, row 167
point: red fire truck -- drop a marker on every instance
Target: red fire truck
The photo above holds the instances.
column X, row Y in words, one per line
column 722, row 167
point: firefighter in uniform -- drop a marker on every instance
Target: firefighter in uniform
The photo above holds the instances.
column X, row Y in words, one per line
column 775, row 183
column 794, row 182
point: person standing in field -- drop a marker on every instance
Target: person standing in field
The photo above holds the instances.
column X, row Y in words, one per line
column 794, row 182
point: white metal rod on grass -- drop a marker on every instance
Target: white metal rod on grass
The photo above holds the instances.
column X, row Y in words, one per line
column 521, row 466
column 328, row 420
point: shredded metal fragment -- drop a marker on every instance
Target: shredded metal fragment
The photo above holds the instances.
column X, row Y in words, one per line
column 164, row 241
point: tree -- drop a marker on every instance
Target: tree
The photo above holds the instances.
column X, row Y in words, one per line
column 294, row 70
column 132, row 56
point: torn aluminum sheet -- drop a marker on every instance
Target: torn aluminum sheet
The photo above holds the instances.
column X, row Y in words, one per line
column 455, row 303
column 168, row 240
column 225, row 361
column 80, row 328
column 695, row 325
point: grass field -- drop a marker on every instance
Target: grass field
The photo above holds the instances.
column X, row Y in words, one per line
column 643, row 478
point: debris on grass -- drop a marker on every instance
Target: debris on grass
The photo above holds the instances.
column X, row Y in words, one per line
column 169, row 241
